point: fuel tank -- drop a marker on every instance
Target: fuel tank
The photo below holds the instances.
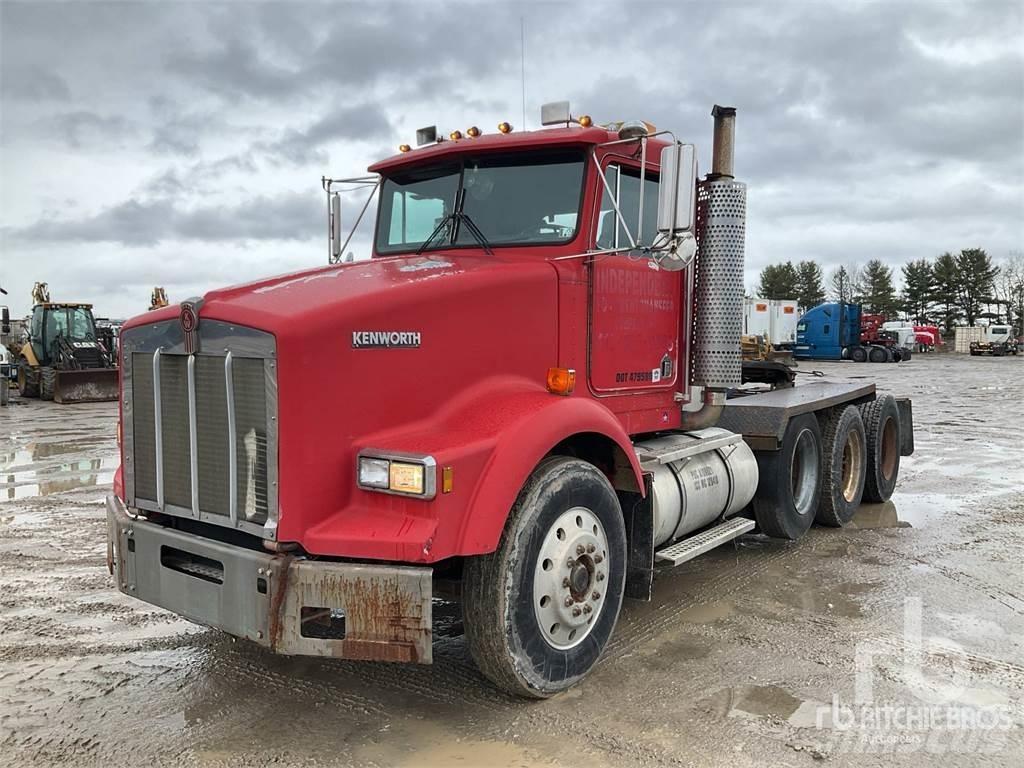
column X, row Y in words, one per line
column 694, row 491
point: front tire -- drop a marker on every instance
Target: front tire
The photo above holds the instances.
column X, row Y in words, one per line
column 539, row 610
column 47, row 383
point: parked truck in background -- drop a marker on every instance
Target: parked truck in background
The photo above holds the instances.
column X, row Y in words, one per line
column 841, row 331
column 996, row 340
column 526, row 399
column 924, row 338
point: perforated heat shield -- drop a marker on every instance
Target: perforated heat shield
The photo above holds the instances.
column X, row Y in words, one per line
column 718, row 295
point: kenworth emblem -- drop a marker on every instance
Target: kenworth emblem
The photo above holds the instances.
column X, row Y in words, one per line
column 189, row 319
column 385, row 339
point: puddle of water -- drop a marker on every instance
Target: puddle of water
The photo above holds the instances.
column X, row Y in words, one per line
column 708, row 612
column 430, row 743
column 44, row 481
column 870, row 516
column 447, row 618
column 766, row 701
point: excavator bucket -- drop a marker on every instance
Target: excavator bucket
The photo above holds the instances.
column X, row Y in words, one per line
column 88, row 385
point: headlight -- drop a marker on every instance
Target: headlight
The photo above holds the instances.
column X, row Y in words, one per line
column 404, row 474
column 373, row 473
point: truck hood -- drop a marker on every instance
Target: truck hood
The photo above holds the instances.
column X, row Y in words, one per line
column 278, row 303
column 275, row 303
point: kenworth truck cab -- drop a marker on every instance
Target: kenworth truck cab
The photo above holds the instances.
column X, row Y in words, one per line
column 528, row 398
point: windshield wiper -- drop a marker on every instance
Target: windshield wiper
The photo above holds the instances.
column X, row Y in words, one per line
column 457, row 218
column 474, row 230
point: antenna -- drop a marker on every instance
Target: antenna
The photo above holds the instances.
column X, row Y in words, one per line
column 522, row 62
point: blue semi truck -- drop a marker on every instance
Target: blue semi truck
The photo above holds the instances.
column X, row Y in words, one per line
column 834, row 331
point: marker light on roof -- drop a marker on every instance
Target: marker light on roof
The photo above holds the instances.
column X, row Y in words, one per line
column 505, row 127
column 404, row 148
column 472, row 131
column 455, row 135
column 585, row 121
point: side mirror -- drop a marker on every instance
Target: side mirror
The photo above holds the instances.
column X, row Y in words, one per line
column 677, row 189
column 334, row 224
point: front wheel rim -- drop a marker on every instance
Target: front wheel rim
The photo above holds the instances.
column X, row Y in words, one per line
column 570, row 578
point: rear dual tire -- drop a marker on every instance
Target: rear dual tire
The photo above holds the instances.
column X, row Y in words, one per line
column 539, row 610
column 789, row 481
column 882, row 426
column 844, row 448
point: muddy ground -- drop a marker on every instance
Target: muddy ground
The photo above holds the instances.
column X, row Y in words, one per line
column 749, row 655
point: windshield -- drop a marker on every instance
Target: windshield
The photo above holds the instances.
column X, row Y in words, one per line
column 73, row 323
column 520, row 199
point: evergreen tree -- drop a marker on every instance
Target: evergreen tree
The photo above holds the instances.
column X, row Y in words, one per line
column 918, row 288
column 975, row 284
column 778, row 281
column 944, row 291
column 810, row 292
column 879, row 295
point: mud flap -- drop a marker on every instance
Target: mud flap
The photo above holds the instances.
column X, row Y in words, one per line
column 906, row 411
column 86, row 386
column 639, row 518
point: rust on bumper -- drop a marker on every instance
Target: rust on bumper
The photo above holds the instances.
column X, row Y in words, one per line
column 290, row 605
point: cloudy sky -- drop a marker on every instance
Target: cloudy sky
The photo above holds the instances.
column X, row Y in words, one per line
column 182, row 144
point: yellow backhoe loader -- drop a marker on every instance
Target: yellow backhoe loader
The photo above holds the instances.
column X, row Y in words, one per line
column 64, row 359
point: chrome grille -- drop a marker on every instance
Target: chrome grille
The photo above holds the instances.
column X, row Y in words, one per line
column 206, row 420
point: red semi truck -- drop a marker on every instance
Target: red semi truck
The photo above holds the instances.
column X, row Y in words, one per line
column 529, row 397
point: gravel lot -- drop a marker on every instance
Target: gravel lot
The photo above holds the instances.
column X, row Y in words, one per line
column 739, row 659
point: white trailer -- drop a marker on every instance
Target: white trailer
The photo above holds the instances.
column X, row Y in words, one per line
column 774, row 319
column 757, row 320
column 784, row 316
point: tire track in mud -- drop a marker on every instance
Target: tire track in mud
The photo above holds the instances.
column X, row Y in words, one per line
column 1007, row 599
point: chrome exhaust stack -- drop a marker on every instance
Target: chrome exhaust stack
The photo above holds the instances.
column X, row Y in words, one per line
column 718, row 290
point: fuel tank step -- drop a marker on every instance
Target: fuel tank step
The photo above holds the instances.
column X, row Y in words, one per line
column 690, row 547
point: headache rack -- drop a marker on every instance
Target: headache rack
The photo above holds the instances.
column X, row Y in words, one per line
column 200, row 429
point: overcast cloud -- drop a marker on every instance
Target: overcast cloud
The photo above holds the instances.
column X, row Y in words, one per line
column 182, row 144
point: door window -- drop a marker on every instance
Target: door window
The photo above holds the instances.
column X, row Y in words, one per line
column 625, row 184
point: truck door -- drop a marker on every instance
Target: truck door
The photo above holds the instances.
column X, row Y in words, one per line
column 634, row 306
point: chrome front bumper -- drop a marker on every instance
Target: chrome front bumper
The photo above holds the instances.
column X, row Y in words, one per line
column 289, row 605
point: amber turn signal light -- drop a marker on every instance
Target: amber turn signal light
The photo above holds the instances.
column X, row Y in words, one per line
column 561, row 381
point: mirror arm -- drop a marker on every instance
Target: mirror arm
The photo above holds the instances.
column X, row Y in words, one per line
column 359, row 218
column 643, row 171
